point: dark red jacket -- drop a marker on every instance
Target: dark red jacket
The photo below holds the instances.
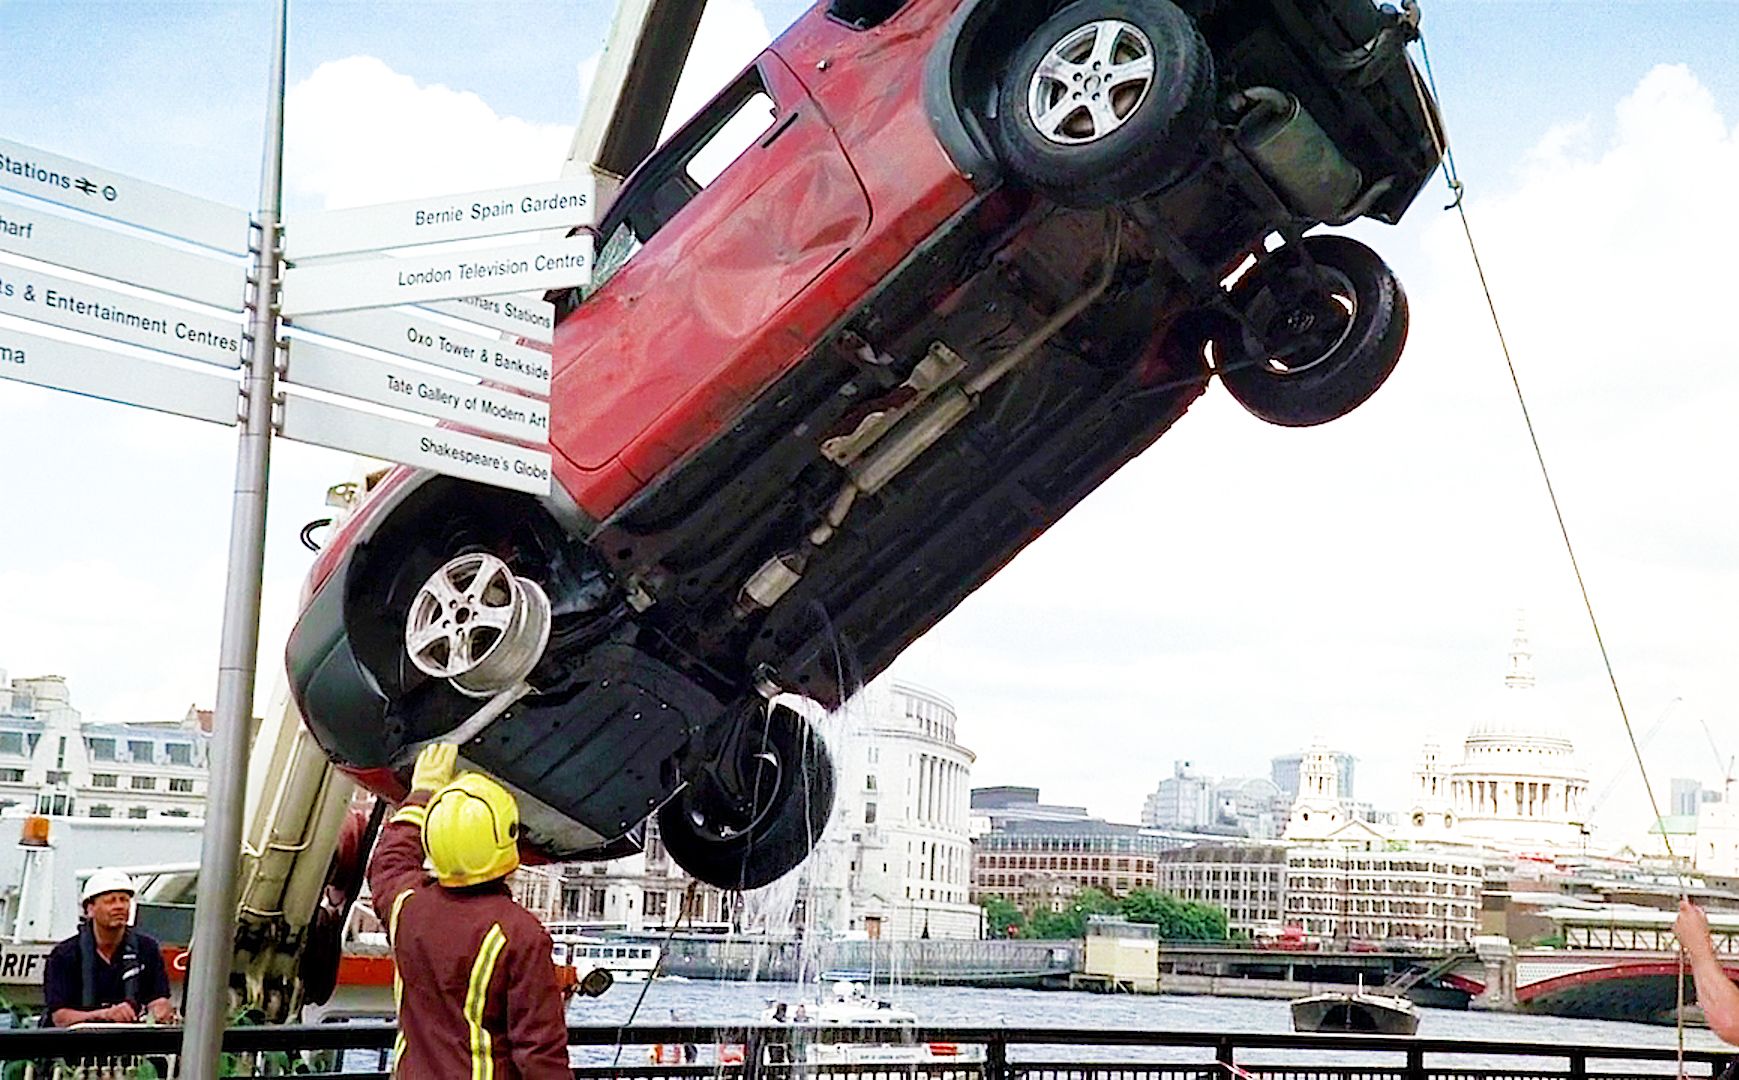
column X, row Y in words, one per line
column 476, row 978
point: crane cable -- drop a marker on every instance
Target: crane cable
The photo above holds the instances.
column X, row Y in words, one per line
column 1433, row 122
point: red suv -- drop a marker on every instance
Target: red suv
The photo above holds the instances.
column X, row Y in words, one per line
column 915, row 282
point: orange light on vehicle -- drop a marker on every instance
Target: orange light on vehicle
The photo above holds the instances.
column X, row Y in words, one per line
column 34, row 832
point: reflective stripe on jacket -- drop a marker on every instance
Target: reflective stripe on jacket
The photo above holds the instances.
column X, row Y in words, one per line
column 476, row 981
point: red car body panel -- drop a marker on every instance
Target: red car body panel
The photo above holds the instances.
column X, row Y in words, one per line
column 753, row 271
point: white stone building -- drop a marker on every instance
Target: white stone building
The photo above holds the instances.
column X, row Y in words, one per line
column 901, row 832
column 1366, row 892
column 53, row 761
column 1518, row 786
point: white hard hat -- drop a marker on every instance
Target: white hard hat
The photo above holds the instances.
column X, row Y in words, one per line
column 106, row 881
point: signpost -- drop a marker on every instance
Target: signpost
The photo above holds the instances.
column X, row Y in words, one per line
column 524, row 208
column 114, row 376
column 91, row 309
column 149, row 264
column 470, row 405
column 97, row 190
column 410, row 333
column 436, row 275
column 530, row 317
column 452, row 452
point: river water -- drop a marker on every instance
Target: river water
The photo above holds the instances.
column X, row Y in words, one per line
column 668, row 1001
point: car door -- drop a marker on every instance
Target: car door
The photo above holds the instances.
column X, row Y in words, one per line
column 702, row 254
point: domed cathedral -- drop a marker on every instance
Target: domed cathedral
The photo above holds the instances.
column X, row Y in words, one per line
column 1518, row 786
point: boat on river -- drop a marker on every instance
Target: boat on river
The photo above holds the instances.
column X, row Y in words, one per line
column 848, row 1005
column 1358, row 1011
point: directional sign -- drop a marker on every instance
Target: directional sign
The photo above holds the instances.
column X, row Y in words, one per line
column 526, row 316
column 454, row 453
column 114, row 195
column 49, row 298
column 115, row 376
column 353, row 375
column 407, row 332
column 208, row 279
column 524, row 208
column 436, row 275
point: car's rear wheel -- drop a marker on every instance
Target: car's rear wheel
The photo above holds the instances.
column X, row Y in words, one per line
column 754, row 813
column 1324, row 322
column 1108, row 100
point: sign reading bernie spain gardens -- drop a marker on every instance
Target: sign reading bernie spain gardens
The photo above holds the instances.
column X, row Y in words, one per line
column 557, row 205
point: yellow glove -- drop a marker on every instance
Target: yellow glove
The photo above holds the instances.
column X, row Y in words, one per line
column 434, row 766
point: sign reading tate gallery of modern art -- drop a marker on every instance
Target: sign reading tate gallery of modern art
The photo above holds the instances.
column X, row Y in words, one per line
column 352, row 296
column 139, row 292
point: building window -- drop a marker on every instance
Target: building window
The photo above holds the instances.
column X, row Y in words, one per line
column 175, row 813
column 183, row 786
column 141, row 750
column 102, row 811
column 655, row 904
column 12, row 776
column 180, row 753
column 869, row 813
column 869, row 782
column 58, row 776
column 101, row 749
column 53, row 804
column 11, row 742
column 144, row 783
column 105, row 779
column 137, row 813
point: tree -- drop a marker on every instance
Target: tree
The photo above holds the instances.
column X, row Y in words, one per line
column 1071, row 922
column 1178, row 920
column 1002, row 919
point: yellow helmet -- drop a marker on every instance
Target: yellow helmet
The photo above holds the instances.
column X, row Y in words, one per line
column 471, row 833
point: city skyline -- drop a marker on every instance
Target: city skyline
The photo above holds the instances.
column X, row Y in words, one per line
column 1238, row 585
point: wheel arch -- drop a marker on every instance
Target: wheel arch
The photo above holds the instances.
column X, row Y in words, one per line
column 964, row 69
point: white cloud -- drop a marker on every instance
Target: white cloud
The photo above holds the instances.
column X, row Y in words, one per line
column 358, row 132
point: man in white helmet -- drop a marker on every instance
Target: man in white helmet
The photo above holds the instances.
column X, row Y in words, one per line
column 107, row 972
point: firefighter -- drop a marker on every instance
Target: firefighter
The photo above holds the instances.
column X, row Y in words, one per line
column 476, row 982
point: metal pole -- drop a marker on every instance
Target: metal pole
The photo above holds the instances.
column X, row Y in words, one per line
column 213, row 946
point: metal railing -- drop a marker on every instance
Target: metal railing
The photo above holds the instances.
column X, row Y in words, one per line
column 767, row 1052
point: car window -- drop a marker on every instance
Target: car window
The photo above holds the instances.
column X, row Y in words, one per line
column 750, row 120
column 863, row 14
column 619, row 247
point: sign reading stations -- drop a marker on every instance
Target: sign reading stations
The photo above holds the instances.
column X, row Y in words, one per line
column 96, row 190
column 498, row 412
column 438, row 275
column 106, row 313
column 526, row 207
column 206, row 279
column 114, row 376
column 454, row 453
column 530, row 317
column 407, row 332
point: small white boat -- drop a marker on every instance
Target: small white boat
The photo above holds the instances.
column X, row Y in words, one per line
column 1358, row 1011
column 848, row 1006
column 626, row 961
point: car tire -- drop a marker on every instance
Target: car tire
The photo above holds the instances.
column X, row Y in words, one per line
column 1324, row 322
column 1141, row 135
column 788, row 815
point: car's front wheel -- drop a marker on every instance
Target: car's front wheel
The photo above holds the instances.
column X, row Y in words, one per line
column 1108, row 100
column 755, row 811
column 1324, row 322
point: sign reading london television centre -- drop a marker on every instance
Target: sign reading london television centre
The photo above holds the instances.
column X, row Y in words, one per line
column 172, row 247
column 348, row 265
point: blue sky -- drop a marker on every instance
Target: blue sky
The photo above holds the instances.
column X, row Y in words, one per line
column 1598, row 143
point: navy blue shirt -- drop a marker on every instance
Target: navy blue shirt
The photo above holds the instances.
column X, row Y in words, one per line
column 63, row 976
